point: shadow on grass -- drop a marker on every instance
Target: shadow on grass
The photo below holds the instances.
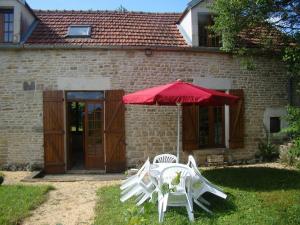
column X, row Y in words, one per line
column 220, row 207
column 255, row 179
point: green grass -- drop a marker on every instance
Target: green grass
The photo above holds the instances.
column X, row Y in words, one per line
column 16, row 201
column 256, row 196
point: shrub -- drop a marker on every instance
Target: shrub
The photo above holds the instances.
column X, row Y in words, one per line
column 267, row 150
column 291, row 155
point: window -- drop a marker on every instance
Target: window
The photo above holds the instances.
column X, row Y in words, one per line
column 275, row 124
column 6, row 25
column 206, row 37
column 85, row 95
column 211, row 127
column 204, row 127
column 79, row 31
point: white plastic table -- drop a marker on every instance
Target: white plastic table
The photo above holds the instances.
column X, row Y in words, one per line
column 156, row 169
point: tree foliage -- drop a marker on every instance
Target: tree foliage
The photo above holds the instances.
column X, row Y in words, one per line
column 234, row 16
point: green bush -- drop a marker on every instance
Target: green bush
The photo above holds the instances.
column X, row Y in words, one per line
column 292, row 156
column 267, row 150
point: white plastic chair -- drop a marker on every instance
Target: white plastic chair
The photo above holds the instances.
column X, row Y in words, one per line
column 165, row 158
column 133, row 179
column 181, row 196
column 141, row 186
column 205, row 186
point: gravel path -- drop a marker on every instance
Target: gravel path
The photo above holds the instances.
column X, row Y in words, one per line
column 71, row 203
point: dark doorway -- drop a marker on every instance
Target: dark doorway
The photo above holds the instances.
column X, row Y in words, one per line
column 85, row 124
column 76, row 134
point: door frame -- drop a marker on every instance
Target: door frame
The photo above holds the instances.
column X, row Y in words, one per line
column 67, row 147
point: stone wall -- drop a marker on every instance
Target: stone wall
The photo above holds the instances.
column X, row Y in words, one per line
column 24, row 74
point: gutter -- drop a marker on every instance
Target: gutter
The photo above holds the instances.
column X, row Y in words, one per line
column 23, row 46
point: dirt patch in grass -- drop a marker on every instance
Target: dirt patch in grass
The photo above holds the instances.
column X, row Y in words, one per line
column 71, row 203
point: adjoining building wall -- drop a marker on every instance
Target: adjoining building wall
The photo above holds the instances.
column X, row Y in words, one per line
column 150, row 130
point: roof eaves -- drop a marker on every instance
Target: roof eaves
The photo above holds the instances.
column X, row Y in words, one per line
column 29, row 8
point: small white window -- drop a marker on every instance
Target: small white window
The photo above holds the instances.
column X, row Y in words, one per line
column 79, row 31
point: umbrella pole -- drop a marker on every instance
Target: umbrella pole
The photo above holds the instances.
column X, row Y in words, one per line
column 178, row 130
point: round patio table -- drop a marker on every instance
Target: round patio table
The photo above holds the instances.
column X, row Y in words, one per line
column 156, row 169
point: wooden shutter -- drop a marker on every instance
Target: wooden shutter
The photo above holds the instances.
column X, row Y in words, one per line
column 190, row 127
column 236, row 131
column 114, row 132
column 54, row 151
column 1, row 27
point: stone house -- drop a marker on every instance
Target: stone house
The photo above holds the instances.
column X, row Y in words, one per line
column 63, row 74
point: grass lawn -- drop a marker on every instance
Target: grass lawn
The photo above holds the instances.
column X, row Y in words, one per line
column 262, row 196
column 16, row 201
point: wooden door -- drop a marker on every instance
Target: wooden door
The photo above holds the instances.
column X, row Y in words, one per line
column 54, row 145
column 94, row 143
column 115, row 132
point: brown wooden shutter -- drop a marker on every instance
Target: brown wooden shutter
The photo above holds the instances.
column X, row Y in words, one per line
column 190, row 128
column 54, row 151
column 1, row 27
column 114, row 132
column 236, row 131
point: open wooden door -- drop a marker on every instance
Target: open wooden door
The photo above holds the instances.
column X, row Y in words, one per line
column 54, row 145
column 114, row 132
column 94, row 143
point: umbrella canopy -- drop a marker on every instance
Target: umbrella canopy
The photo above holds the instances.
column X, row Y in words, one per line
column 179, row 92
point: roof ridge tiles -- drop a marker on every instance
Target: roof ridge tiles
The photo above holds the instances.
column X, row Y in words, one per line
column 103, row 11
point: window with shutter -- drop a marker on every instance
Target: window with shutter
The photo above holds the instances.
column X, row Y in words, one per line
column 204, row 127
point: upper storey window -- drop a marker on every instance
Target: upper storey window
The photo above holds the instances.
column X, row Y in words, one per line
column 206, row 37
column 6, row 25
column 79, row 31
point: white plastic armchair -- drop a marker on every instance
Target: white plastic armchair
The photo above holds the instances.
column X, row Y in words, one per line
column 205, row 186
column 165, row 158
column 180, row 196
column 133, row 179
column 141, row 186
column 192, row 164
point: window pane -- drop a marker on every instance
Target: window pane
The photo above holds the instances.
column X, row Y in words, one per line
column 10, row 37
column 8, row 27
column 79, row 31
column 94, row 95
column 203, row 127
column 6, row 37
column 218, row 126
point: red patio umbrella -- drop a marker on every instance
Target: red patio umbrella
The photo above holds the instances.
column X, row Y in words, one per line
column 179, row 93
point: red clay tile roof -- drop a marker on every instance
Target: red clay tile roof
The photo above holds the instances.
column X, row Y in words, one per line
column 109, row 28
